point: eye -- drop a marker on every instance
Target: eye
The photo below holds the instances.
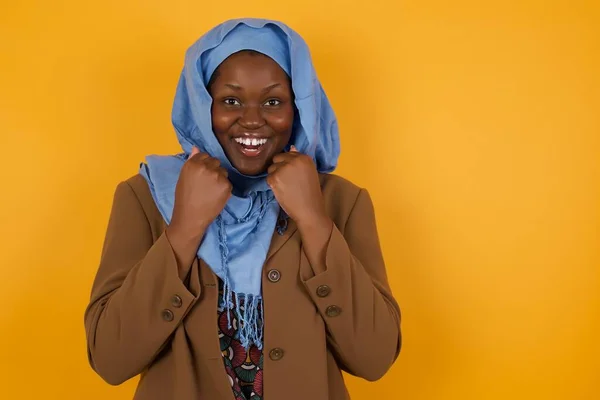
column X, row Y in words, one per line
column 272, row 103
column 230, row 101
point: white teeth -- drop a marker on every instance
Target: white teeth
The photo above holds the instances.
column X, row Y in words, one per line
column 250, row 142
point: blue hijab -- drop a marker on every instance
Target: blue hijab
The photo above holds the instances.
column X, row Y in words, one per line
column 235, row 245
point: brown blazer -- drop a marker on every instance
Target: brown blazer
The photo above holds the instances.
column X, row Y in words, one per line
column 145, row 319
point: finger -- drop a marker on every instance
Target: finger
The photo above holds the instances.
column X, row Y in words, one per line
column 276, row 166
column 271, row 170
column 224, row 172
column 226, row 182
column 283, row 157
column 294, row 149
column 212, row 163
column 198, row 155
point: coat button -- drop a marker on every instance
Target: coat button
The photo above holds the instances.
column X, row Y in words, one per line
column 176, row 301
column 274, row 275
column 333, row 311
column 323, row 291
column 276, row 354
column 167, row 315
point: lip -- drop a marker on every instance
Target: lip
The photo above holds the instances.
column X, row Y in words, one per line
column 251, row 135
column 247, row 152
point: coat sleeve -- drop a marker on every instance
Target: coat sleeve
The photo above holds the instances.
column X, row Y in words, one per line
column 138, row 298
column 354, row 297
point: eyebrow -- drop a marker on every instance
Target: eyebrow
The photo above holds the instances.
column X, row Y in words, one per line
column 234, row 87
column 265, row 90
column 271, row 87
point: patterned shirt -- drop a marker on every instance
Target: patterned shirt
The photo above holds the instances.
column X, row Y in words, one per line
column 244, row 368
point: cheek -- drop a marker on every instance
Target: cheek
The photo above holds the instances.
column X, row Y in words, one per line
column 282, row 122
column 221, row 121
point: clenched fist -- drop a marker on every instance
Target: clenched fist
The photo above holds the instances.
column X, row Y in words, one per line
column 200, row 195
column 295, row 182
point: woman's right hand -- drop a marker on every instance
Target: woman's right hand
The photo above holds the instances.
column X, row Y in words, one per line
column 200, row 195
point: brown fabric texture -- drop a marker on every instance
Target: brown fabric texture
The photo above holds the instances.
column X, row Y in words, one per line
column 143, row 318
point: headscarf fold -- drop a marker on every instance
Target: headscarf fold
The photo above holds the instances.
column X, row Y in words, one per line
column 236, row 244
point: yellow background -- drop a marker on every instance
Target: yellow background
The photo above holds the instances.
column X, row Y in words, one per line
column 474, row 124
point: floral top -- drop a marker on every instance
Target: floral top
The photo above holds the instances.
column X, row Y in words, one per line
column 244, row 368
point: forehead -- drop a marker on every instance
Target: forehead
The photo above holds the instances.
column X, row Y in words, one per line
column 247, row 66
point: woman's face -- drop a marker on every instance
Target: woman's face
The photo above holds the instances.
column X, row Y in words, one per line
column 252, row 110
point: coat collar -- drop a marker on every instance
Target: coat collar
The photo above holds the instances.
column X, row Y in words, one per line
column 279, row 240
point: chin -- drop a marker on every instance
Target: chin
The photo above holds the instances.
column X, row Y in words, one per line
column 251, row 170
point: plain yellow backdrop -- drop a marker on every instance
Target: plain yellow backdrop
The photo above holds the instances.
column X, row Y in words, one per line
column 474, row 125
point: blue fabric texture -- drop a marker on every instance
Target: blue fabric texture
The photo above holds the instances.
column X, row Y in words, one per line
column 236, row 244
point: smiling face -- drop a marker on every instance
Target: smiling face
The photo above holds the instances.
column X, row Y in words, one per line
column 252, row 110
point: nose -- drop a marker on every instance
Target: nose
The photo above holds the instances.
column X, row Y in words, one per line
column 251, row 118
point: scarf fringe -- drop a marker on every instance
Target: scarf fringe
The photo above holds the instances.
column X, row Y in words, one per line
column 248, row 311
column 250, row 315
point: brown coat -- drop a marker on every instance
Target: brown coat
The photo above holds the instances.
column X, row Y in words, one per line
column 144, row 319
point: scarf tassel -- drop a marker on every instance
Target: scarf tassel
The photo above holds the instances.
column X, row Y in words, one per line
column 248, row 311
column 249, row 314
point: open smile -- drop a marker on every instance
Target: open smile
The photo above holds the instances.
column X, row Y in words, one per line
column 251, row 146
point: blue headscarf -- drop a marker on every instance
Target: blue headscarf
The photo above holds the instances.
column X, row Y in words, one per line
column 235, row 245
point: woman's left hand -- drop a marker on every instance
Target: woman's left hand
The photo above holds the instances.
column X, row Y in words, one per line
column 295, row 182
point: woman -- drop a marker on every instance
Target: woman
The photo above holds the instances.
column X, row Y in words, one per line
column 241, row 268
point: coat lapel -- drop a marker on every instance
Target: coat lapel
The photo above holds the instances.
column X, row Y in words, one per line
column 279, row 240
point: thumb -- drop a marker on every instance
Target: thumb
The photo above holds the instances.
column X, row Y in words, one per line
column 194, row 151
